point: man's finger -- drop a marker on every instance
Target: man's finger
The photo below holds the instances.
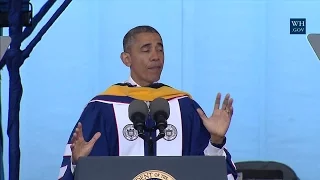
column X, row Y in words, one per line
column 230, row 107
column 225, row 102
column 217, row 102
column 230, row 102
column 95, row 138
column 80, row 134
column 202, row 115
column 74, row 137
column 231, row 111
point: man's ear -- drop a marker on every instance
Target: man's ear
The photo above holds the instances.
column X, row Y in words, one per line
column 126, row 59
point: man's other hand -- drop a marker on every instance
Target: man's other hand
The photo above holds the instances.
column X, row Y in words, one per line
column 80, row 147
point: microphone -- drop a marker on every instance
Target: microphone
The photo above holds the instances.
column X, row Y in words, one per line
column 160, row 112
column 138, row 113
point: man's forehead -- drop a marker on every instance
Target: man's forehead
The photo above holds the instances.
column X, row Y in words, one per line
column 147, row 37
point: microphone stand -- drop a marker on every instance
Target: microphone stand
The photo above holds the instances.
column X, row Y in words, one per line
column 160, row 136
column 150, row 141
column 150, row 146
column 147, row 139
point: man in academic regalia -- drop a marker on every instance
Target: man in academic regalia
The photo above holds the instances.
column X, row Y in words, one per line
column 104, row 128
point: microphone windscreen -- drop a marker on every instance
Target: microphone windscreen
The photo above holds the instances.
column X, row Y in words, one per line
column 160, row 105
column 137, row 106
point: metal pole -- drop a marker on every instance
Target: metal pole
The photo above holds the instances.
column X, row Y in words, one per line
column 1, row 134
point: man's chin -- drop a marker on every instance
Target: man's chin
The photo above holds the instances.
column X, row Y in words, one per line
column 155, row 79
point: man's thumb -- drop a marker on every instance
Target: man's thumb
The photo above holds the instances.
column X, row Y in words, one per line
column 95, row 138
column 201, row 114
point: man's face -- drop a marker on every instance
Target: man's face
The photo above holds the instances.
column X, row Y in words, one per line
column 146, row 58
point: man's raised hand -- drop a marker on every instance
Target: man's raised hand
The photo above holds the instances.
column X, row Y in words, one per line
column 218, row 123
column 80, row 147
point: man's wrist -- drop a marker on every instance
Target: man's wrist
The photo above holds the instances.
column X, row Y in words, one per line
column 218, row 141
column 73, row 162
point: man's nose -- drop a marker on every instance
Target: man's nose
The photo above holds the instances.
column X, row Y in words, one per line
column 155, row 56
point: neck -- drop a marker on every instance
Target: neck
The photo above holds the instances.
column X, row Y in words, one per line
column 136, row 81
column 142, row 83
column 145, row 84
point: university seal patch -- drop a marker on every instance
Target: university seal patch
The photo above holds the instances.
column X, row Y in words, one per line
column 130, row 133
column 170, row 133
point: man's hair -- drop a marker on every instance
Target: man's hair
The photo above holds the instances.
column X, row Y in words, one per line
column 129, row 37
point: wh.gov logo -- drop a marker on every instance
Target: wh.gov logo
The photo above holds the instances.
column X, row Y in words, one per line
column 298, row 26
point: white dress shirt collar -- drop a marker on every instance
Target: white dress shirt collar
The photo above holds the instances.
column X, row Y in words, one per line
column 132, row 82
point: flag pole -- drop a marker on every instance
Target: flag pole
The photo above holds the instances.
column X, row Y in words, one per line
column 1, row 134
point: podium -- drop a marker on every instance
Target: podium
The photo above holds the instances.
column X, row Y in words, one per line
column 151, row 167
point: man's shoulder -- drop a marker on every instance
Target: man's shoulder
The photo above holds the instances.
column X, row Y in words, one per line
column 104, row 104
column 110, row 99
column 188, row 101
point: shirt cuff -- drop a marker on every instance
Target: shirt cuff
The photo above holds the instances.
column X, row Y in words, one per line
column 215, row 149
column 72, row 166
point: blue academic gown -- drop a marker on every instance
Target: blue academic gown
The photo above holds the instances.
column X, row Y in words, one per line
column 107, row 113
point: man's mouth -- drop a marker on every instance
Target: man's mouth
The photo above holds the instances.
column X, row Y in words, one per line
column 155, row 67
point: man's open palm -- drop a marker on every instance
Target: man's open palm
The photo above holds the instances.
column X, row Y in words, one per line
column 80, row 147
column 218, row 123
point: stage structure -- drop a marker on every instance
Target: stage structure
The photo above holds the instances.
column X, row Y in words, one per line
column 16, row 14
